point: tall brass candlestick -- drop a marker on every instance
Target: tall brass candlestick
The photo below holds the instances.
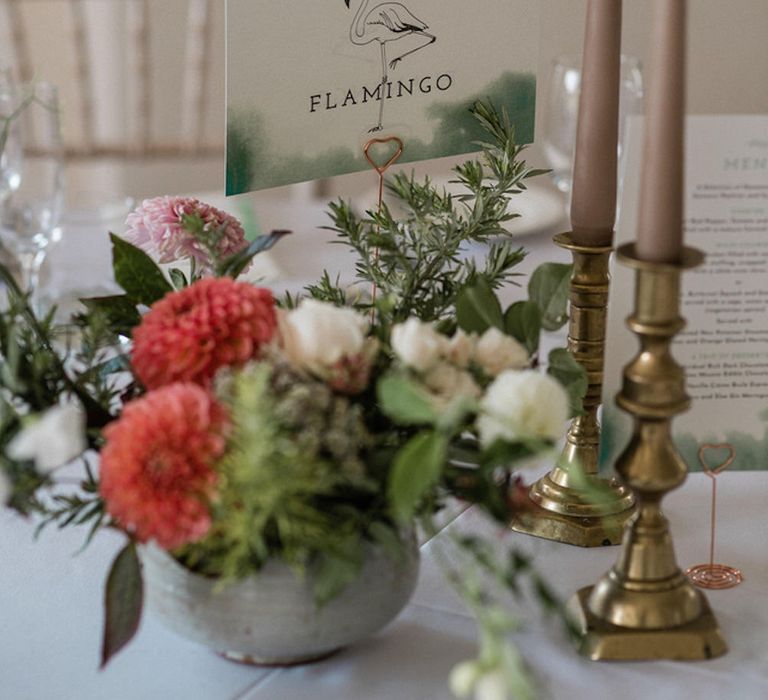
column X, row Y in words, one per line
column 567, row 507
column 645, row 607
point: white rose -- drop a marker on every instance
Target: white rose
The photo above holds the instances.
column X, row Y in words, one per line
column 522, row 404
column 417, row 345
column 317, row 335
column 492, row 686
column 448, row 382
column 5, row 489
column 496, row 352
column 53, row 439
column 463, row 678
column 460, row 348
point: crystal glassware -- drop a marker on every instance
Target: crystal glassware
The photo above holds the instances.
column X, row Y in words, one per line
column 562, row 102
column 31, row 174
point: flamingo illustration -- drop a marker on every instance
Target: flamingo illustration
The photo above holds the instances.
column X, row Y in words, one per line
column 386, row 22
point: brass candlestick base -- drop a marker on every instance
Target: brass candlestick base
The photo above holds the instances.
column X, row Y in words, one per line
column 563, row 508
column 645, row 607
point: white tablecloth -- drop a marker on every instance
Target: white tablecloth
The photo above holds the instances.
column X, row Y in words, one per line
column 51, row 623
column 51, row 597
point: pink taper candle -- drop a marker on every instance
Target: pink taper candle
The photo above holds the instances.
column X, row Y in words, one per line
column 593, row 199
column 660, row 223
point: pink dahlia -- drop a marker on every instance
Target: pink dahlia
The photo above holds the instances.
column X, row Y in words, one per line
column 157, row 466
column 188, row 335
column 173, row 228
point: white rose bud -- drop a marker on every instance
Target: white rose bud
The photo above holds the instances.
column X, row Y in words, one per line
column 316, row 335
column 460, row 348
column 448, row 382
column 53, row 439
column 5, row 489
column 522, row 404
column 492, row 686
column 463, row 678
column 417, row 345
column 496, row 352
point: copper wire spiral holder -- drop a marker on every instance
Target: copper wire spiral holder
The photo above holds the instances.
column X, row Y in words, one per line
column 715, row 576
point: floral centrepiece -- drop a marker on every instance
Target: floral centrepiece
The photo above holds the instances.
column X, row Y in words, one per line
column 235, row 430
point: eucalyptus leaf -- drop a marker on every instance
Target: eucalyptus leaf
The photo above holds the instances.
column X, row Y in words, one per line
column 123, row 602
column 139, row 275
column 478, row 308
column 573, row 377
column 523, row 322
column 234, row 265
column 404, row 401
column 417, row 468
column 549, row 289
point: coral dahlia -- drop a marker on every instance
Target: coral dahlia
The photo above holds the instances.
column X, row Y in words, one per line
column 188, row 335
column 172, row 228
column 157, row 467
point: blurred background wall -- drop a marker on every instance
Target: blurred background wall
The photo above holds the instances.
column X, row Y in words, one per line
column 728, row 73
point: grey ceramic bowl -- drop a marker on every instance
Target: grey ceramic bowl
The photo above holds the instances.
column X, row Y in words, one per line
column 271, row 618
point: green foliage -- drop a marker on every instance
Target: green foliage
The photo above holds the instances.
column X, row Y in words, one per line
column 138, row 275
column 548, row 289
column 571, row 375
column 234, row 265
column 118, row 311
column 293, row 483
column 478, row 308
column 417, row 469
column 178, row 278
column 404, row 401
column 123, row 602
column 523, row 322
column 416, row 261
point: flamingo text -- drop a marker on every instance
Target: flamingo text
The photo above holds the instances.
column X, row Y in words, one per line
column 393, row 90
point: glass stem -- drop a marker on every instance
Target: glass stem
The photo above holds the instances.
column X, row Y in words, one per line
column 30, row 263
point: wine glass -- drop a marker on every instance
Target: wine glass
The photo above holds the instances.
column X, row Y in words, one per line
column 563, row 91
column 31, row 175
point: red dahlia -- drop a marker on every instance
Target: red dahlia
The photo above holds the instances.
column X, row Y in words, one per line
column 157, row 467
column 190, row 334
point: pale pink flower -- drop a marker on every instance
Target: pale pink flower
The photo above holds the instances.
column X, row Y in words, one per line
column 158, row 228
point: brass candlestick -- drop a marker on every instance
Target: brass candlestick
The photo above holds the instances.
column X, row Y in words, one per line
column 565, row 508
column 645, row 607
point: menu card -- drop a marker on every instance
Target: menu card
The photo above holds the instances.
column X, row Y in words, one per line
column 309, row 83
column 725, row 345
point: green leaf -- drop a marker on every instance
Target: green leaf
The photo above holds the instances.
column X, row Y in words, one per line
column 234, row 265
column 123, row 601
column 478, row 308
column 142, row 280
column 548, row 289
column 178, row 278
column 120, row 311
column 571, row 375
column 417, row 468
column 404, row 401
column 502, row 453
column 523, row 322
column 334, row 571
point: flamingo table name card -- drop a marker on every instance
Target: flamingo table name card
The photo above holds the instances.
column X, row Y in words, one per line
column 308, row 84
column 725, row 347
